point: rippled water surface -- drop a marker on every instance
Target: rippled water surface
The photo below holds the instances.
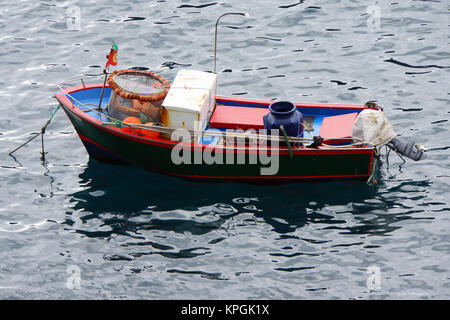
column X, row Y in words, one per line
column 132, row 234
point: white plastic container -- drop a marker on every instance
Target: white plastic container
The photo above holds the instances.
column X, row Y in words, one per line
column 190, row 100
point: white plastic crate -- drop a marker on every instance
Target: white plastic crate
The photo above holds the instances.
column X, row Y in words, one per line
column 190, row 100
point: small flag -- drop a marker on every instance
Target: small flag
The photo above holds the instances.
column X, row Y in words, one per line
column 112, row 57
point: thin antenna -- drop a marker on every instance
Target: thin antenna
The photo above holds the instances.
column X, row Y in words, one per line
column 215, row 32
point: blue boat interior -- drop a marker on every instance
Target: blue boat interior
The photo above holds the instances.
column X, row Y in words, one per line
column 87, row 100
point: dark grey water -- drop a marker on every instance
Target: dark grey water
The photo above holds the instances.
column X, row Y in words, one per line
column 125, row 233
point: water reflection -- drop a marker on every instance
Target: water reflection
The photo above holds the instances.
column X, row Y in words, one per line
column 125, row 201
column 150, row 209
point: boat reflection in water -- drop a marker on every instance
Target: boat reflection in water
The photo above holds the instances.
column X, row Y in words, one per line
column 128, row 194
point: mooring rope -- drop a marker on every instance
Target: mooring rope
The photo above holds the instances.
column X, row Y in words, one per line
column 377, row 153
column 40, row 133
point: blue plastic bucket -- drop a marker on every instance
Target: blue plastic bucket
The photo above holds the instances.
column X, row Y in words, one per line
column 284, row 113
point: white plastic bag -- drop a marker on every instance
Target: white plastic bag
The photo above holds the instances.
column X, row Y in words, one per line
column 372, row 126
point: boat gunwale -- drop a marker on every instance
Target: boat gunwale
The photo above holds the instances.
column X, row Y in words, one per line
column 64, row 100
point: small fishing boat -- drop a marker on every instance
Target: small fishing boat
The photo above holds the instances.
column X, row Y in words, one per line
column 182, row 128
column 214, row 152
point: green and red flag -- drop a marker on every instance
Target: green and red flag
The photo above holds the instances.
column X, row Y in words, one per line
column 112, row 57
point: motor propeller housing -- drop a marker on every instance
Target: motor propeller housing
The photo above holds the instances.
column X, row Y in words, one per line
column 408, row 149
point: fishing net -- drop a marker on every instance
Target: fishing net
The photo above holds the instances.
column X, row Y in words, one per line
column 136, row 93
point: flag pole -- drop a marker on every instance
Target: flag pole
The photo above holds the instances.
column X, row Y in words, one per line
column 106, row 76
column 103, row 89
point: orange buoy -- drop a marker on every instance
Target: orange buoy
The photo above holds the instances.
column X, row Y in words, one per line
column 149, row 133
column 131, row 120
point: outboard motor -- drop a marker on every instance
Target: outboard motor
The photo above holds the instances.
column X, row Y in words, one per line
column 408, row 149
column 373, row 127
